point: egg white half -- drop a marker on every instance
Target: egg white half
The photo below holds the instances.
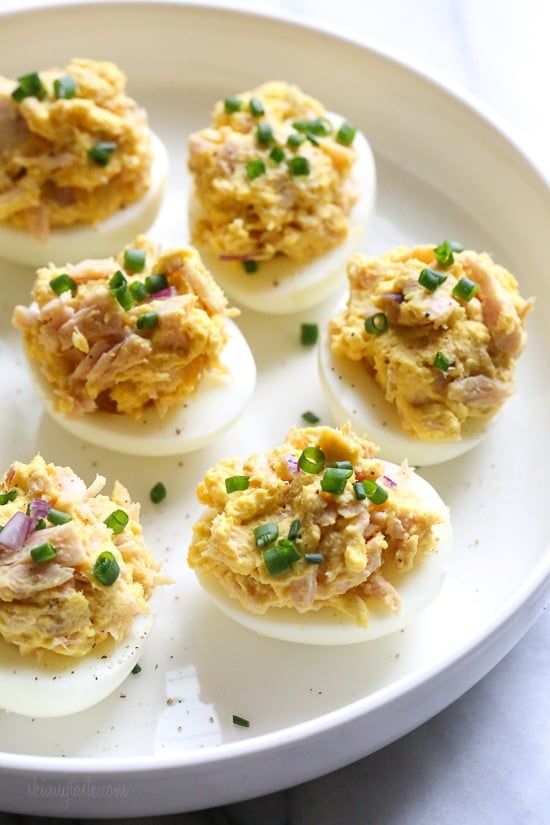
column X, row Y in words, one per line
column 282, row 286
column 61, row 686
column 353, row 395
column 417, row 589
column 219, row 401
column 99, row 240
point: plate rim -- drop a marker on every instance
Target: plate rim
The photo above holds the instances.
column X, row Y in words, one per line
column 536, row 587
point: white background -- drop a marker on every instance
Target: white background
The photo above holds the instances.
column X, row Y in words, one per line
column 486, row 759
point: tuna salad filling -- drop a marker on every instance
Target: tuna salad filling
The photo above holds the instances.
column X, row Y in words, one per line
column 272, row 176
column 74, row 148
column 126, row 335
column 439, row 330
column 313, row 523
column 74, row 567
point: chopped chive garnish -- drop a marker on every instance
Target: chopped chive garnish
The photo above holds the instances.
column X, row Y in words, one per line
column 136, row 669
column 359, row 490
column 298, row 165
column 232, row 104
column 313, row 558
column 238, row 720
column 317, row 126
column 117, row 521
column 312, row 460
column 64, row 87
column 342, row 465
column 234, row 483
column 138, row 291
column 335, row 479
column 275, row 561
column 43, row 552
column 117, row 280
column 250, row 266
column 374, row 492
column 309, row 334
column 294, row 529
column 431, row 279
column 148, row 320
column 106, row 569
column 255, row 168
column 444, row 253
column 346, row 134
column 41, row 524
column 30, row 85
column 256, row 107
column 265, row 534
column 100, row 153
column 158, row 493
column 58, row 516
column 310, row 417
column 124, row 297
column 441, row 362
column 376, row 324
column 465, row 289
column 294, row 140
column 289, row 550
column 154, row 283
column 277, row 155
column 264, row 135
column 63, row 283
column 134, row 260
column 10, row 495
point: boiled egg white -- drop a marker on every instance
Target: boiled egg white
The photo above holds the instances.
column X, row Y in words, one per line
column 283, row 286
column 219, row 400
column 353, row 395
column 417, row 588
column 60, row 685
column 91, row 241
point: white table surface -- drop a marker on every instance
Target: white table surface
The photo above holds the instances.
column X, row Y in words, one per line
column 486, row 759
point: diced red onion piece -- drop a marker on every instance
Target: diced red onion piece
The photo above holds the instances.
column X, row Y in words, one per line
column 292, row 463
column 388, row 482
column 16, row 531
column 167, row 292
column 38, row 509
column 398, row 297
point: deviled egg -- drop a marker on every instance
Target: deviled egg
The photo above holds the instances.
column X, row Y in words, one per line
column 319, row 542
column 424, row 353
column 282, row 194
column 80, row 171
column 75, row 580
column 137, row 355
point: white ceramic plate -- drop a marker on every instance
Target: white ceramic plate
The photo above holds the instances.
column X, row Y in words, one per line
column 165, row 741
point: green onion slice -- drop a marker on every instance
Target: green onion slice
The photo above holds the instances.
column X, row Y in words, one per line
column 30, row 85
column 346, row 134
column 148, row 320
column 43, row 552
column 277, row 155
column 309, row 333
column 250, row 266
column 310, row 417
column 444, row 254
column 275, row 562
column 374, row 492
column 319, row 126
column 117, row 521
column 10, row 495
column 138, row 291
column 58, row 516
column 430, row 279
column 264, row 135
column 232, row 104
column 136, row 669
column 64, row 87
column 298, row 165
column 376, row 324
column 106, row 569
column 242, row 723
column 294, row 529
column 100, row 153
column 359, row 490
column 265, row 534
column 158, row 493
column 465, row 289
column 134, row 259
column 312, row 460
column 342, row 465
column 255, row 168
column 335, row 479
column 256, row 107
column 313, row 558
column 236, row 483
column 294, row 140
column 123, row 296
column 441, row 362
column 63, row 283
column 289, row 550
column 117, row 280
column 41, row 524
column 156, row 282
